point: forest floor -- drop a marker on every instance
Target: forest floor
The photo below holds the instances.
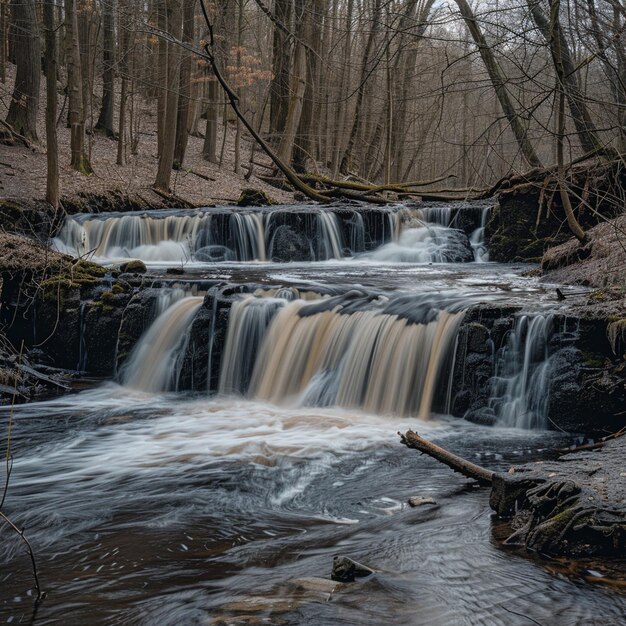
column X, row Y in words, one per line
column 23, row 170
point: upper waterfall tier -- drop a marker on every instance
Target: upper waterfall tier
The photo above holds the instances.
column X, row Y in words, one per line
column 398, row 233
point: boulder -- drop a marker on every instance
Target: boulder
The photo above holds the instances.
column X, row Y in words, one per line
column 134, row 266
column 288, row 245
column 346, row 570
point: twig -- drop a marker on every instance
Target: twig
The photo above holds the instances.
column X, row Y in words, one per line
column 40, row 594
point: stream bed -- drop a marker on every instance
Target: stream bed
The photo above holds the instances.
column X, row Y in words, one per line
column 162, row 509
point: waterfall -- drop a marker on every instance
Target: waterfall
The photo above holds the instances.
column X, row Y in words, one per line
column 439, row 215
column 249, row 235
column 366, row 359
column 434, row 234
column 520, row 388
column 357, row 233
column 477, row 238
column 248, row 321
column 169, row 238
column 156, row 360
column 329, row 239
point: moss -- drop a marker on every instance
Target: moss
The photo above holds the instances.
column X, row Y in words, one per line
column 597, row 296
column 593, row 360
column 134, row 266
column 87, row 267
column 111, row 298
column 119, row 288
column 254, row 197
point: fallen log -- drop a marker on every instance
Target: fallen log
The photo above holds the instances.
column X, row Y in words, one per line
column 412, row 440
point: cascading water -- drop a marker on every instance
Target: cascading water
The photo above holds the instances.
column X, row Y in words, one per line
column 155, row 362
column 249, row 236
column 477, row 239
column 249, row 319
column 394, row 234
column 338, row 352
column 329, row 240
column 520, row 388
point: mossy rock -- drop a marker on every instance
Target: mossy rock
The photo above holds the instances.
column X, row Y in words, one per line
column 135, row 266
column 254, row 197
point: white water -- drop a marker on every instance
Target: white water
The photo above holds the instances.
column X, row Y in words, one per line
column 424, row 244
column 520, row 389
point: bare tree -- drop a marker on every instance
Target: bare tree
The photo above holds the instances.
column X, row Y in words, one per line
column 22, row 115
column 52, row 149
column 105, row 118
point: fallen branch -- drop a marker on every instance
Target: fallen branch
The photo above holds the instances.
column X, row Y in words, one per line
column 412, row 440
column 199, row 175
column 15, row 134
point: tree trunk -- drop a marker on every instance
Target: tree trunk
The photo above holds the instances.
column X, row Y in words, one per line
column 79, row 160
column 412, row 440
column 52, row 150
column 304, row 146
column 105, row 119
column 356, row 123
column 279, row 89
column 166, row 157
column 184, row 89
column 123, row 40
column 88, row 18
column 572, row 222
column 3, row 40
column 241, row 88
column 498, row 80
column 209, row 148
column 22, row 114
column 298, row 86
column 162, row 77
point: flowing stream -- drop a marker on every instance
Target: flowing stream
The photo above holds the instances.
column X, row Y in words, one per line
column 149, row 503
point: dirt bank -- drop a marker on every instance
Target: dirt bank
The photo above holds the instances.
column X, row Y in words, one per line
column 600, row 263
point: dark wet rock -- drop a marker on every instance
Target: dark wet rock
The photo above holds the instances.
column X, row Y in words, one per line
column 175, row 271
column 478, row 338
column 575, row 506
column 528, row 219
column 346, row 570
column 416, row 501
column 134, row 266
column 457, row 247
column 135, row 320
column 289, row 245
column 482, row 415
